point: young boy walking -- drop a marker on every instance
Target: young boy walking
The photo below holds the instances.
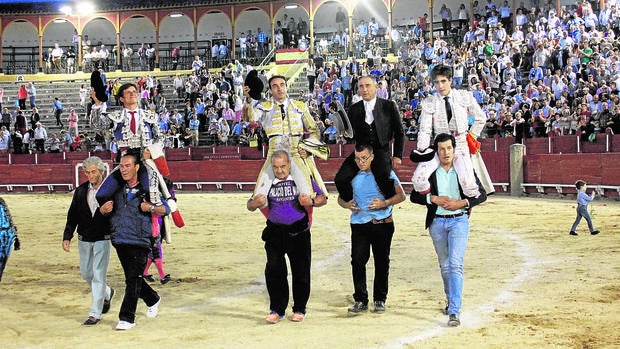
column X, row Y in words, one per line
column 582, row 207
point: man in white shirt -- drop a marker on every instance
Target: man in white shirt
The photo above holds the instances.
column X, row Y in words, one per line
column 56, row 56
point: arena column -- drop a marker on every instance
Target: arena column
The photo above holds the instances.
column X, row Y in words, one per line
column 517, row 152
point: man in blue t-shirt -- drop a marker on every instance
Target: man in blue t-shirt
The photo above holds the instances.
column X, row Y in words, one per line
column 289, row 217
column 371, row 225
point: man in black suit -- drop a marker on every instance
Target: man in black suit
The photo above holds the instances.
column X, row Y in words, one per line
column 375, row 121
column 447, row 219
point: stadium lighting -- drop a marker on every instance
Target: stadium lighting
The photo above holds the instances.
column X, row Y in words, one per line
column 60, row 20
column 85, row 8
column 66, row 10
column 176, row 15
column 290, row 6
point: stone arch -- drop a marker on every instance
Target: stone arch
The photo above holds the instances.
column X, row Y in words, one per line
column 176, row 32
column 404, row 14
column 20, row 47
column 214, row 26
column 284, row 15
column 100, row 31
column 16, row 34
column 57, row 31
column 176, row 29
column 136, row 30
column 250, row 19
column 369, row 9
column 324, row 18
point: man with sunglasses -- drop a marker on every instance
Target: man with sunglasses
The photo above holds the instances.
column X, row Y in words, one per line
column 372, row 225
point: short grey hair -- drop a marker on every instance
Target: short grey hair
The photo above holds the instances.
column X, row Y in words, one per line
column 94, row 160
column 280, row 153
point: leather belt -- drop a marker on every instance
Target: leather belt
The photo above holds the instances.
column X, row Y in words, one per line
column 449, row 215
column 381, row 221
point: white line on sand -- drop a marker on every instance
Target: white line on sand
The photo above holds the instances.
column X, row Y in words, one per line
column 258, row 285
column 482, row 313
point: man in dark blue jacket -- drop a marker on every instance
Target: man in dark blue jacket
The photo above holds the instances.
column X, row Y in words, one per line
column 93, row 237
column 132, row 237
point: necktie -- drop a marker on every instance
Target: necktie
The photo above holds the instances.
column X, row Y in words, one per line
column 448, row 108
column 369, row 117
column 132, row 125
column 282, row 111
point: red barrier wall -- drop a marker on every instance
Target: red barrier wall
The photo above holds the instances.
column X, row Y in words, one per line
column 595, row 168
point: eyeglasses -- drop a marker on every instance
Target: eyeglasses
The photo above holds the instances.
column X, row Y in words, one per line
column 364, row 159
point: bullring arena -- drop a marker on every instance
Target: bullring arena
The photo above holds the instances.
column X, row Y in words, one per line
column 528, row 283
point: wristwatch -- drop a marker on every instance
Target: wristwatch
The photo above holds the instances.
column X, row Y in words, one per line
column 152, row 208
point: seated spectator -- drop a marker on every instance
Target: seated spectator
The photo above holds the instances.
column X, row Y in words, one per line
column 330, row 135
column 40, row 136
column 187, row 137
column 5, row 140
column 18, row 145
column 76, row 144
column 53, row 144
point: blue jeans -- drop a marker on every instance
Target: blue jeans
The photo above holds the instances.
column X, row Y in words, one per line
column 94, row 259
column 582, row 211
column 450, row 240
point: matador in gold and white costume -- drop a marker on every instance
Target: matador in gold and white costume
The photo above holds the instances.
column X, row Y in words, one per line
column 285, row 132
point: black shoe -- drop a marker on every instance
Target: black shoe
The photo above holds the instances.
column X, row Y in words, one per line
column 91, row 321
column 148, row 278
column 165, row 279
column 454, row 320
column 445, row 310
column 594, row 232
column 107, row 303
column 573, row 233
column 379, row 306
column 358, row 307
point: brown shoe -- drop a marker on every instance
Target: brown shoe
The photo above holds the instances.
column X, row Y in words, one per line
column 91, row 321
column 108, row 302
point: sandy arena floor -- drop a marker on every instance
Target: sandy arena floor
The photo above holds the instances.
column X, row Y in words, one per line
column 528, row 283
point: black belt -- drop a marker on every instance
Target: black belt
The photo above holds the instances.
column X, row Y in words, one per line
column 449, row 215
column 381, row 221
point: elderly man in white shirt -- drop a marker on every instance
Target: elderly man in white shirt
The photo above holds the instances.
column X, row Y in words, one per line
column 56, row 56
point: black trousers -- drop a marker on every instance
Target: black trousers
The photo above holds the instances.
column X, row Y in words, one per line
column 133, row 260
column 363, row 237
column 57, row 115
column 380, row 167
column 280, row 242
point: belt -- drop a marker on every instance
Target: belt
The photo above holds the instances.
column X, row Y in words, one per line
column 384, row 220
column 449, row 215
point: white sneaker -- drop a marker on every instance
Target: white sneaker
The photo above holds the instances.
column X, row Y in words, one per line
column 154, row 309
column 125, row 325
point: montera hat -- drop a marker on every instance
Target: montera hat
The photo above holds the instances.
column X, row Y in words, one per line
column 255, row 84
column 97, row 84
column 422, row 156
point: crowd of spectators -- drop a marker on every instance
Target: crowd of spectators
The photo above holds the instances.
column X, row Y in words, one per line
column 545, row 73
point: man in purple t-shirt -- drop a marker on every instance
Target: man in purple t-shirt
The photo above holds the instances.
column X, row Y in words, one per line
column 288, row 232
